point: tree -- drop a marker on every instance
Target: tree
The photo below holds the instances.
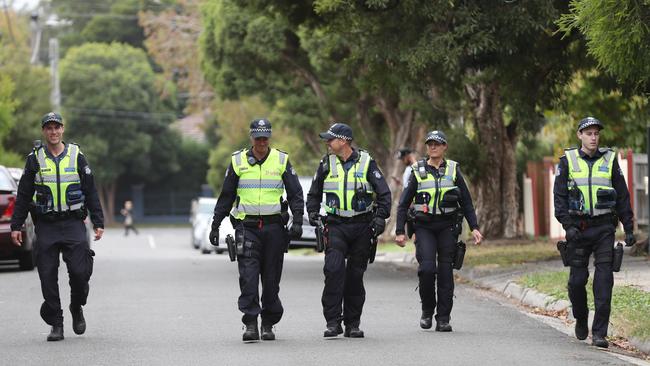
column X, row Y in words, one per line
column 617, row 34
column 113, row 109
column 172, row 41
column 7, row 105
column 29, row 87
column 397, row 68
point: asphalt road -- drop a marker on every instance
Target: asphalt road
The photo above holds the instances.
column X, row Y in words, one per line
column 156, row 301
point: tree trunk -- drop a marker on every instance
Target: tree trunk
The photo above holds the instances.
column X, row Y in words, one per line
column 496, row 201
column 107, row 200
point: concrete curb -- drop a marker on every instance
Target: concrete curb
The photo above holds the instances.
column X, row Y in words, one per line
column 498, row 281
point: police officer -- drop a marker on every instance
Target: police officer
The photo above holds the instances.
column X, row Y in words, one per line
column 440, row 199
column 252, row 192
column 357, row 204
column 57, row 187
column 590, row 197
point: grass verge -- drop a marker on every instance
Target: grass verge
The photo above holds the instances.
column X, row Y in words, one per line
column 630, row 305
column 509, row 255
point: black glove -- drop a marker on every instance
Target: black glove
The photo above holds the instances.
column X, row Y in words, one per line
column 295, row 231
column 630, row 239
column 573, row 234
column 378, row 225
column 314, row 217
column 214, row 236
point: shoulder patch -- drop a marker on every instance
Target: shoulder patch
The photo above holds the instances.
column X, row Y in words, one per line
column 377, row 174
column 88, row 171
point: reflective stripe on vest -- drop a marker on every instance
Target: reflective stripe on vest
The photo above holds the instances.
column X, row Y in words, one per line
column 436, row 188
column 56, row 178
column 260, row 187
column 589, row 179
column 344, row 185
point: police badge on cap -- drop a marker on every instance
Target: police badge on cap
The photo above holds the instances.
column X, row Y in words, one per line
column 260, row 128
column 437, row 136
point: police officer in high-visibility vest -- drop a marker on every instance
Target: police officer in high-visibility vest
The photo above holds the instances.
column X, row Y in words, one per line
column 252, row 193
column 440, row 199
column 590, row 197
column 57, row 187
column 357, row 203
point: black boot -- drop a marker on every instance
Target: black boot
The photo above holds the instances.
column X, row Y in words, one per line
column 582, row 329
column 56, row 334
column 599, row 341
column 78, row 320
column 425, row 321
column 353, row 332
column 267, row 333
column 251, row 333
column 442, row 326
column 333, row 330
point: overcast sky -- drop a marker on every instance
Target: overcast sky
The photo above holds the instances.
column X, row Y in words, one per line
column 27, row 4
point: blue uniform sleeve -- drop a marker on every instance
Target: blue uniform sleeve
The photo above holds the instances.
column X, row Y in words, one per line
column 25, row 193
column 294, row 193
column 226, row 198
column 89, row 190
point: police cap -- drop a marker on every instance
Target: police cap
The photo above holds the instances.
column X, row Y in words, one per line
column 437, row 136
column 337, row 131
column 51, row 117
column 588, row 122
column 260, row 128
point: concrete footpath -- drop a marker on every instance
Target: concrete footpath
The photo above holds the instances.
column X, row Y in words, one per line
column 635, row 271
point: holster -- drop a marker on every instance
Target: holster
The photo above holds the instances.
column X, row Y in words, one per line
column 232, row 247
column 373, row 248
column 617, row 258
column 562, row 248
column 320, row 237
column 459, row 256
column 410, row 219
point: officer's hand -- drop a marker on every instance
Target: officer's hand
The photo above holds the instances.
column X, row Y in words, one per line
column 630, row 239
column 295, row 231
column 314, row 217
column 400, row 240
column 378, row 225
column 98, row 233
column 478, row 237
column 17, row 238
column 214, row 236
column 573, row 234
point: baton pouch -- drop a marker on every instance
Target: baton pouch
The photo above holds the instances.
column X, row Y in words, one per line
column 459, row 256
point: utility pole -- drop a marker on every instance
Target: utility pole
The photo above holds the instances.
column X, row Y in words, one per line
column 37, row 31
column 11, row 31
column 55, row 96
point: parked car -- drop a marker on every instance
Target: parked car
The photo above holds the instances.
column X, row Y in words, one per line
column 308, row 239
column 224, row 229
column 202, row 212
column 8, row 251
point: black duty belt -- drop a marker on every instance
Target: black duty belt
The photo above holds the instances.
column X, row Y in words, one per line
column 260, row 221
column 335, row 219
column 60, row 216
column 584, row 222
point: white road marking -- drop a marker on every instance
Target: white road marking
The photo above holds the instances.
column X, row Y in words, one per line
column 152, row 241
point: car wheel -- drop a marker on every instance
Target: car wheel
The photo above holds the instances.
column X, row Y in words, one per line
column 205, row 251
column 26, row 260
column 219, row 251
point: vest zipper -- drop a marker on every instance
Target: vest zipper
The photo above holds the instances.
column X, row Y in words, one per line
column 591, row 199
column 345, row 187
column 58, row 185
column 437, row 195
column 259, row 191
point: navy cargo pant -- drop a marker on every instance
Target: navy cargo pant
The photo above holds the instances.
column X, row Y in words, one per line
column 67, row 237
column 435, row 248
column 600, row 241
column 344, row 293
column 262, row 258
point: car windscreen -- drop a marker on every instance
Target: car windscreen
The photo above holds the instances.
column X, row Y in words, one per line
column 6, row 181
column 206, row 207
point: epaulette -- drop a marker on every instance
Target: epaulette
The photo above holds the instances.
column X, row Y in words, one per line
column 238, row 151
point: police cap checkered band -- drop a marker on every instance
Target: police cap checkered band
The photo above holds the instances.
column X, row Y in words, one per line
column 436, row 135
column 588, row 122
column 337, row 131
column 260, row 128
